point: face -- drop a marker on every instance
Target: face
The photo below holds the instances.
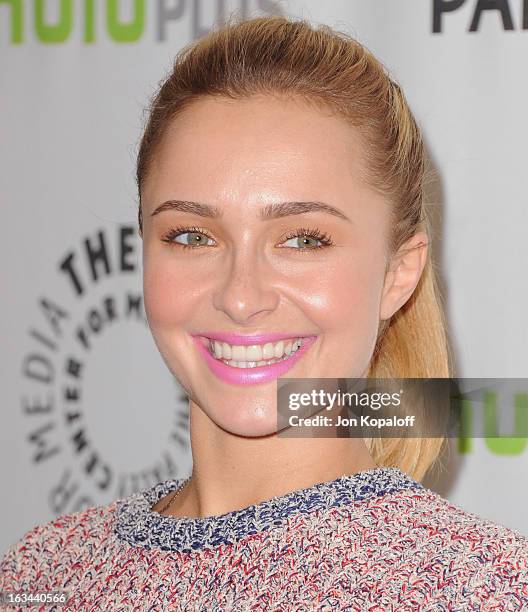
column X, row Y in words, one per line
column 304, row 273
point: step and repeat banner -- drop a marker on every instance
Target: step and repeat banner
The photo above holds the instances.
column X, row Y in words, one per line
column 89, row 411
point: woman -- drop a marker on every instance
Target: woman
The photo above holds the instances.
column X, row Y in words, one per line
column 281, row 178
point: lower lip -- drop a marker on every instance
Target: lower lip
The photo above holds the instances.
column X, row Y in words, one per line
column 258, row 374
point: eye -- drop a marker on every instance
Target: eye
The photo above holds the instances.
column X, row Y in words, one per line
column 190, row 237
column 304, row 239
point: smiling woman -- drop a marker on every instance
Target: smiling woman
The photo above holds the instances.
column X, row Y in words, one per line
column 281, row 181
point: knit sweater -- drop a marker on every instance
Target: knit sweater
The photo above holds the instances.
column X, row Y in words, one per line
column 375, row 540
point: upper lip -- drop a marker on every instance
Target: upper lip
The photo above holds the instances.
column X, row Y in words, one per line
column 245, row 340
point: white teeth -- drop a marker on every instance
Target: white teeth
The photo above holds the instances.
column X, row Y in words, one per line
column 279, row 349
column 253, row 364
column 254, row 355
column 226, row 350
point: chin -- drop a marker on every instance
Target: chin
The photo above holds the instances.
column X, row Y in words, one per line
column 250, row 422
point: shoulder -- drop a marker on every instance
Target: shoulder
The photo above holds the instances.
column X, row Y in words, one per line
column 54, row 547
column 432, row 519
column 437, row 516
column 461, row 555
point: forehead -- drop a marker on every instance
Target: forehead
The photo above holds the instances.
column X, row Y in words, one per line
column 255, row 149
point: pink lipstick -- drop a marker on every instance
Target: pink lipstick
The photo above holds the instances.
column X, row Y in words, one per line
column 258, row 374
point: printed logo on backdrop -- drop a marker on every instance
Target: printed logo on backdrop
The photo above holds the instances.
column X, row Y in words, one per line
column 507, row 14
column 103, row 413
column 130, row 21
column 120, row 21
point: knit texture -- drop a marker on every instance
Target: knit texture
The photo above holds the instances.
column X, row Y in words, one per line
column 376, row 540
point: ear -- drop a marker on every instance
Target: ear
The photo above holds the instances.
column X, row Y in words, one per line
column 405, row 270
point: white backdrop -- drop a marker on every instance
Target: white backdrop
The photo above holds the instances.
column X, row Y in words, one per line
column 89, row 411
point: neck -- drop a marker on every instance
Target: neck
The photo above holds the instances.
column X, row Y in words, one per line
column 231, row 472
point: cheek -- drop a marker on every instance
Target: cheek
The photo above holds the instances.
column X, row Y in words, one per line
column 345, row 306
column 167, row 296
column 347, row 293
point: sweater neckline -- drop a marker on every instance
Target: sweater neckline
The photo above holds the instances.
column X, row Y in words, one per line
column 136, row 523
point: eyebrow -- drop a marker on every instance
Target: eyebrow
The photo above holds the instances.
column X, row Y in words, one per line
column 269, row 211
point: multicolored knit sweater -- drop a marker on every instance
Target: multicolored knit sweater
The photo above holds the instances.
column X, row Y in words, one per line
column 376, row 540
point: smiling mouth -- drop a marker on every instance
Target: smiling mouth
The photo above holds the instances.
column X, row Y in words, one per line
column 254, row 355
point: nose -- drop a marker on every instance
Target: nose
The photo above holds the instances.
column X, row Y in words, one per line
column 246, row 288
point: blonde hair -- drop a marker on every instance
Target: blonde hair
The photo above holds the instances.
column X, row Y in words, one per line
column 282, row 56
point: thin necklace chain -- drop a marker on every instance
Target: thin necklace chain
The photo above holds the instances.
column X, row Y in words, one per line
column 173, row 496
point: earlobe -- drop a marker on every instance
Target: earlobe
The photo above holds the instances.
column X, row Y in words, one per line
column 403, row 275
